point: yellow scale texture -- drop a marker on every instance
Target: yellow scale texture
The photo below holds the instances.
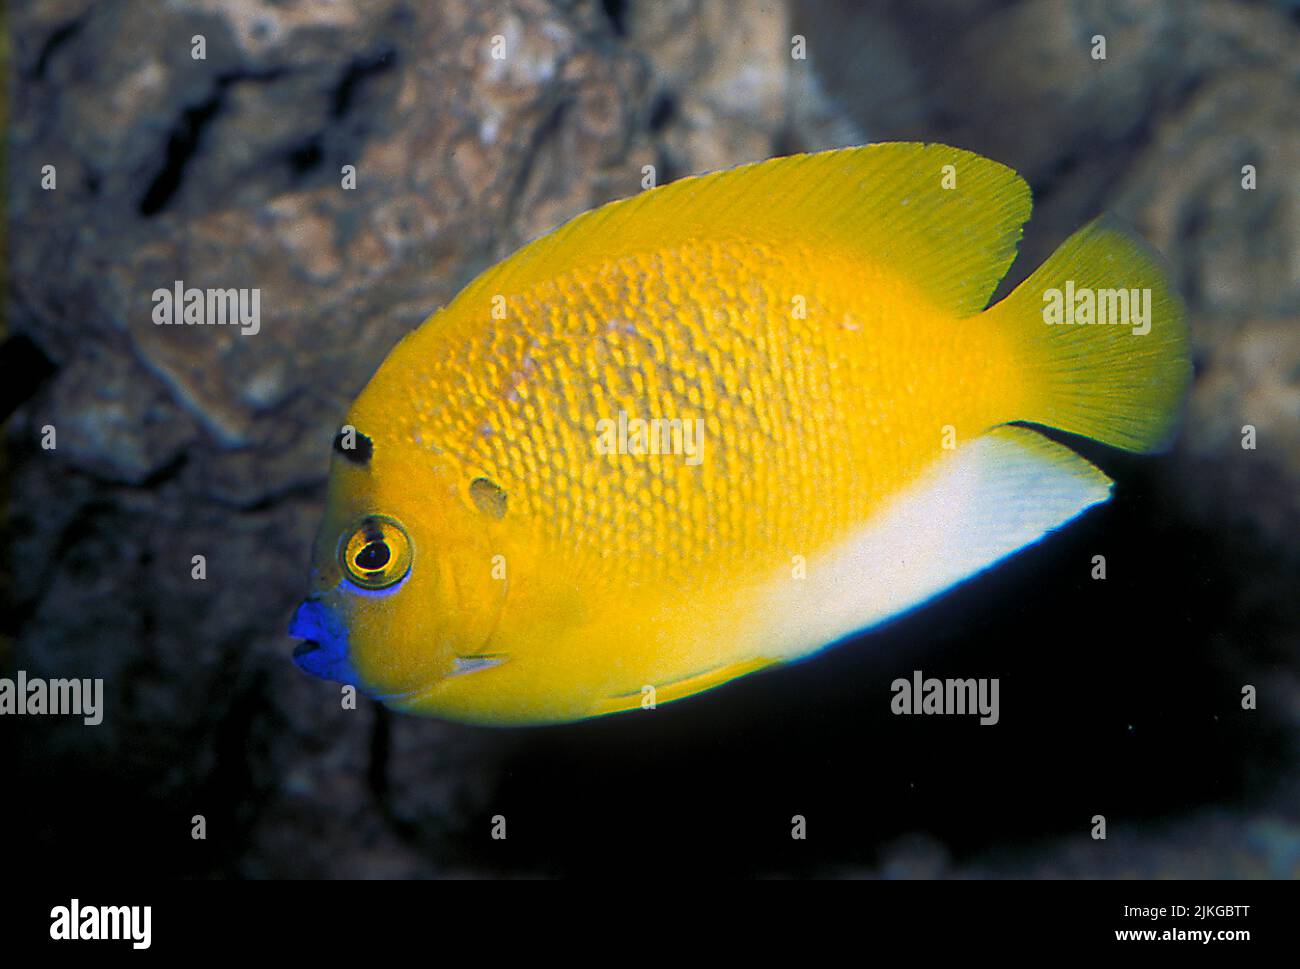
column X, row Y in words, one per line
column 804, row 428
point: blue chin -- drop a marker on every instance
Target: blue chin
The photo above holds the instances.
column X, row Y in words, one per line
column 324, row 652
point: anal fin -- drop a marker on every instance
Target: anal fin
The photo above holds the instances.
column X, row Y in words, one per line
column 678, row 689
column 987, row 500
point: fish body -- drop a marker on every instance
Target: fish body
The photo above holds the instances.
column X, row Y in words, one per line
column 717, row 427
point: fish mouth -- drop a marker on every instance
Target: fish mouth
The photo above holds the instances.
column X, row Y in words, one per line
column 324, row 649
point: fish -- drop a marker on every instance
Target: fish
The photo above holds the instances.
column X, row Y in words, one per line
column 721, row 425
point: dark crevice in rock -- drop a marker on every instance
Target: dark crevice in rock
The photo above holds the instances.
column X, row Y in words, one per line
column 306, row 157
column 159, row 476
column 381, row 744
column 186, row 136
column 167, row 472
column 182, row 145
column 305, row 489
column 667, row 170
column 18, row 613
column 56, row 40
column 358, row 71
column 616, row 12
column 1191, row 225
column 1058, row 176
column 786, row 141
column 662, row 111
column 550, row 126
column 24, row 368
column 95, row 517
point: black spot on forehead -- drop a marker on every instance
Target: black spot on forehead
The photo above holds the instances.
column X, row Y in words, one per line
column 354, row 447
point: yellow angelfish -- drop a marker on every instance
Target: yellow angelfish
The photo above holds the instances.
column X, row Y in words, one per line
column 719, row 426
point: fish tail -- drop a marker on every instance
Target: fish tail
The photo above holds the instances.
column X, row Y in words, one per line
column 1102, row 337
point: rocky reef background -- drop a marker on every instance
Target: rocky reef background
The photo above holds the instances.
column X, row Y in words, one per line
column 176, row 441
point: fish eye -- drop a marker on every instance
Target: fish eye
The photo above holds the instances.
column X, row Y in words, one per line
column 377, row 554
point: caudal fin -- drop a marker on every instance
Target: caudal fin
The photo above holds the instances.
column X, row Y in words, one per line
column 1121, row 377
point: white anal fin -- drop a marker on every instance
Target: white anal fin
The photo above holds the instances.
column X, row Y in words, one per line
column 985, row 501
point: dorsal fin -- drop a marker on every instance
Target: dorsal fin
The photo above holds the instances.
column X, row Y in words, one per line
column 886, row 203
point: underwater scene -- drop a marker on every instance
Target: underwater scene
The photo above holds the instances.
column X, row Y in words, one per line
column 749, row 439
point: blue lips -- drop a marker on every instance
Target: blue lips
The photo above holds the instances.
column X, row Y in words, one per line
column 325, row 652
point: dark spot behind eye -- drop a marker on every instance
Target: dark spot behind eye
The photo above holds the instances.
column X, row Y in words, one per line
column 362, row 451
column 489, row 497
